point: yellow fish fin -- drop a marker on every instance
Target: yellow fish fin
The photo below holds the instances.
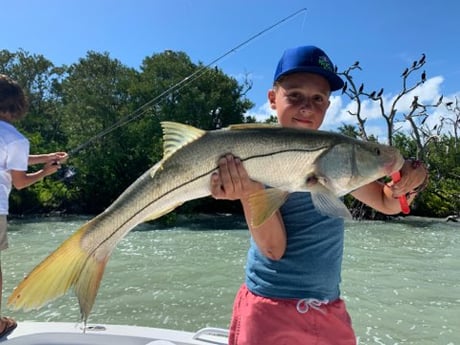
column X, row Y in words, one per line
column 240, row 126
column 177, row 135
column 162, row 213
column 158, row 166
column 69, row 265
column 264, row 203
column 87, row 285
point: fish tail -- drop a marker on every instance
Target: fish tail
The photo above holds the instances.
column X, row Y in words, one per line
column 68, row 266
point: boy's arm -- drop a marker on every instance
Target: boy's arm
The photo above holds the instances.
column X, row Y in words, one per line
column 56, row 157
column 232, row 182
column 23, row 179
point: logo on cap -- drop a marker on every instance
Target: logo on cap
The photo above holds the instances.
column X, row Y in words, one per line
column 325, row 63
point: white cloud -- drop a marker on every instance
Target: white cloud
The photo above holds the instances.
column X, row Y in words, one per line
column 428, row 93
column 338, row 114
column 261, row 113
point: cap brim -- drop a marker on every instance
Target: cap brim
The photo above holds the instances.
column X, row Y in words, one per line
column 335, row 82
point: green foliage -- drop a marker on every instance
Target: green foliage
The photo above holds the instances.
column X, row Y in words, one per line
column 107, row 116
column 442, row 197
column 442, row 157
column 95, row 96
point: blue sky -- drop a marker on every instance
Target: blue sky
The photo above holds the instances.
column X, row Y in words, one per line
column 384, row 36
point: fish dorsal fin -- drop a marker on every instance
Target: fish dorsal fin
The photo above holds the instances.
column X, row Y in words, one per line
column 241, row 126
column 264, row 203
column 177, row 135
column 155, row 168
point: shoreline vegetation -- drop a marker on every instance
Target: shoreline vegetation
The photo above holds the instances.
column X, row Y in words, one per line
column 88, row 109
column 218, row 221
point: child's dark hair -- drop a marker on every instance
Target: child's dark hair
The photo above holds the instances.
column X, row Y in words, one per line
column 12, row 98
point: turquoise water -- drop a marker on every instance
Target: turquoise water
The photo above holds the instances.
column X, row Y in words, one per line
column 400, row 278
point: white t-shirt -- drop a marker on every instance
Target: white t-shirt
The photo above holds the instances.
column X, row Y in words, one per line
column 14, row 155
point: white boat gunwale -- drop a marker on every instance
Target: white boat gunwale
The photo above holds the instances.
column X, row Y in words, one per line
column 67, row 333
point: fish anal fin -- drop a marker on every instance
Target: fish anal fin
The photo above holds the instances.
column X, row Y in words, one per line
column 87, row 285
column 177, row 135
column 265, row 203
column 161, row 213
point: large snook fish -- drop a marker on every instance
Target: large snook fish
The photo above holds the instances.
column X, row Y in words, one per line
column 326, row 164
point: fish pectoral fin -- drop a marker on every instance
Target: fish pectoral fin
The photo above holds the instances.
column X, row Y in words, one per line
column 264, row 203
column 328, row 204
column 68, row 266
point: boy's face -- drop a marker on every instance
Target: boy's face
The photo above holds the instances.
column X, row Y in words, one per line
column 300, row 100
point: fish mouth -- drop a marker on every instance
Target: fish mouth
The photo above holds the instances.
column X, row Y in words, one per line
column 394, row 165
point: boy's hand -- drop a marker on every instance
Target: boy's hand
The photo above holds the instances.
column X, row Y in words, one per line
column 58, row 157
column 413, row 176
column 231, row 181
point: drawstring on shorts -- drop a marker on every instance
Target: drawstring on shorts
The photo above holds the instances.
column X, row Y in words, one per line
column 304, row 305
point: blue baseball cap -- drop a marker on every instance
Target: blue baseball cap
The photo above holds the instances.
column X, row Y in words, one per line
column 309, row 59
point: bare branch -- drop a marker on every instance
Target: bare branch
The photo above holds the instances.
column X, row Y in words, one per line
column 417, row 115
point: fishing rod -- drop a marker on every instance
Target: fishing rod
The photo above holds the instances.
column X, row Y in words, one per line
column 142, row 110
column 66, row 173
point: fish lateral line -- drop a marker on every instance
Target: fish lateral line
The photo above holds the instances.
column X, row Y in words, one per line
column 180, row 186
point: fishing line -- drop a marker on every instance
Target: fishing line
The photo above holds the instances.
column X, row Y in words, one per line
column 142, row 110
column 68, row 172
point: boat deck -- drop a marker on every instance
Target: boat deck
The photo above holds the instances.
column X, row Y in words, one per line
column 64, row 333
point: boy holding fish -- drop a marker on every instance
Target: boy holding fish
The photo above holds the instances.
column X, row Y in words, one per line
column 14, row 161
column 291, row 293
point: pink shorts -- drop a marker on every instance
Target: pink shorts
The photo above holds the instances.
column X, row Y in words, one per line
column 259, row 320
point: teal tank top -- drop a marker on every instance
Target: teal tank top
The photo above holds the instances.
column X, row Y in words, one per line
column 311, row 265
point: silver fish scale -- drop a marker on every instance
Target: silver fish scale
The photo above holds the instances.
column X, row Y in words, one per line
column 324, row 163
column 278, row 157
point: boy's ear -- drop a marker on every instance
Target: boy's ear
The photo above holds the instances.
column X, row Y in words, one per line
column 272, row 98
